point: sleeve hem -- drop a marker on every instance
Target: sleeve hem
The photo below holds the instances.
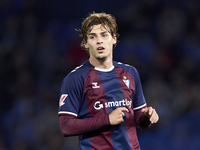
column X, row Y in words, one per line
column 67, row 113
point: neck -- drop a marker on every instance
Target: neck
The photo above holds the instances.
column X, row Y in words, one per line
column 102, row 63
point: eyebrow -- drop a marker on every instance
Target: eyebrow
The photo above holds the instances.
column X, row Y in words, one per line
column 96, row 34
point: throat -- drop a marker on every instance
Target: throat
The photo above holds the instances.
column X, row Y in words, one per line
column 101, row 63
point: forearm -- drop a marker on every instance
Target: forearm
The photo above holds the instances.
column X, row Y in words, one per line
column 71, row 126
column 141, row 121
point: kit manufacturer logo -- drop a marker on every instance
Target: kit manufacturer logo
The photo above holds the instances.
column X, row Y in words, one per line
column 95, row 85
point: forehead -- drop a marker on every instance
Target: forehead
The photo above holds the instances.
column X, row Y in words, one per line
column 98, row 28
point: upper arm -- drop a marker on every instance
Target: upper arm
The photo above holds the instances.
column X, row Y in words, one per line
column 70, row 95
column 138, row 96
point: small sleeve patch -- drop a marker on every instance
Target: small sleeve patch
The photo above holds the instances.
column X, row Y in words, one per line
column 62, row 99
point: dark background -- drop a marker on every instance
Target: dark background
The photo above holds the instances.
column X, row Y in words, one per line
column 39, row 46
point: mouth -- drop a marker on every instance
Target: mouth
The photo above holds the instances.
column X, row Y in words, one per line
column 100, row 49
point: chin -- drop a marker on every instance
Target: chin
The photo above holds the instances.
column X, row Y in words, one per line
column 101, row 58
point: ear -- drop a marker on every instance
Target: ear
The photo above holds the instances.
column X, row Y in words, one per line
column 114, row 39
column 85, row 43
column 86, row 46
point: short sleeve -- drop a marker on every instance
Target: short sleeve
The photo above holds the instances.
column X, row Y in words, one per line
column 70, row 95
column 138, row 96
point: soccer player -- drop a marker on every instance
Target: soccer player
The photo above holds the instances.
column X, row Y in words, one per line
column 102, row 100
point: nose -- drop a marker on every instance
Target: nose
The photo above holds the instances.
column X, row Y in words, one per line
column 99, row 40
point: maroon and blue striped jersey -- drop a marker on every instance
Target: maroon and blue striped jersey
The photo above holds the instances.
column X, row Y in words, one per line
column 88, row 91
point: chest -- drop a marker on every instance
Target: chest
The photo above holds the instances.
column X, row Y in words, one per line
column 108, row 90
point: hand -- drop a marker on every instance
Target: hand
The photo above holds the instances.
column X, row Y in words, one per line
column 151, row 114
column 116, row 116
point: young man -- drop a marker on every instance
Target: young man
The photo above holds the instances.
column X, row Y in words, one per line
column 102, row 100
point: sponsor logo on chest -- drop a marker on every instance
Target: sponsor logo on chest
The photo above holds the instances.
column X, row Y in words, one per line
column 99, row 105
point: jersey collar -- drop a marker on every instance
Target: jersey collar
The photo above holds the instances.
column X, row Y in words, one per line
column 104, row 70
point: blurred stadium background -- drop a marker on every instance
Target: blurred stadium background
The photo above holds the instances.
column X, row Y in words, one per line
column 39, row 46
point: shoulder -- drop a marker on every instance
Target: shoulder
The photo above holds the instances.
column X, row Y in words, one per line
column 131, row 69
column 79, row 73
column 127, row 67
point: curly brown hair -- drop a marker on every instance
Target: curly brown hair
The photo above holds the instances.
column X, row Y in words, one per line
column 95, row 19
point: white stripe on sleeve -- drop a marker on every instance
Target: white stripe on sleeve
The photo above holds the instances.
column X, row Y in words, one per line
column 140, row 106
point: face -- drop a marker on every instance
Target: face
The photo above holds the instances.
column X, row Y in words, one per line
column 100, row 43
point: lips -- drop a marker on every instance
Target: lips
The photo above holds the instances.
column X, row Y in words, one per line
column 100, row 49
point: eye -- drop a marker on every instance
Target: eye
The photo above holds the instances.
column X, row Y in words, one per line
column 104, row 35
column 91, row 37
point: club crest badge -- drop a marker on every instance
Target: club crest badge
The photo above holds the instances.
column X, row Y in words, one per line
column 126, row 81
